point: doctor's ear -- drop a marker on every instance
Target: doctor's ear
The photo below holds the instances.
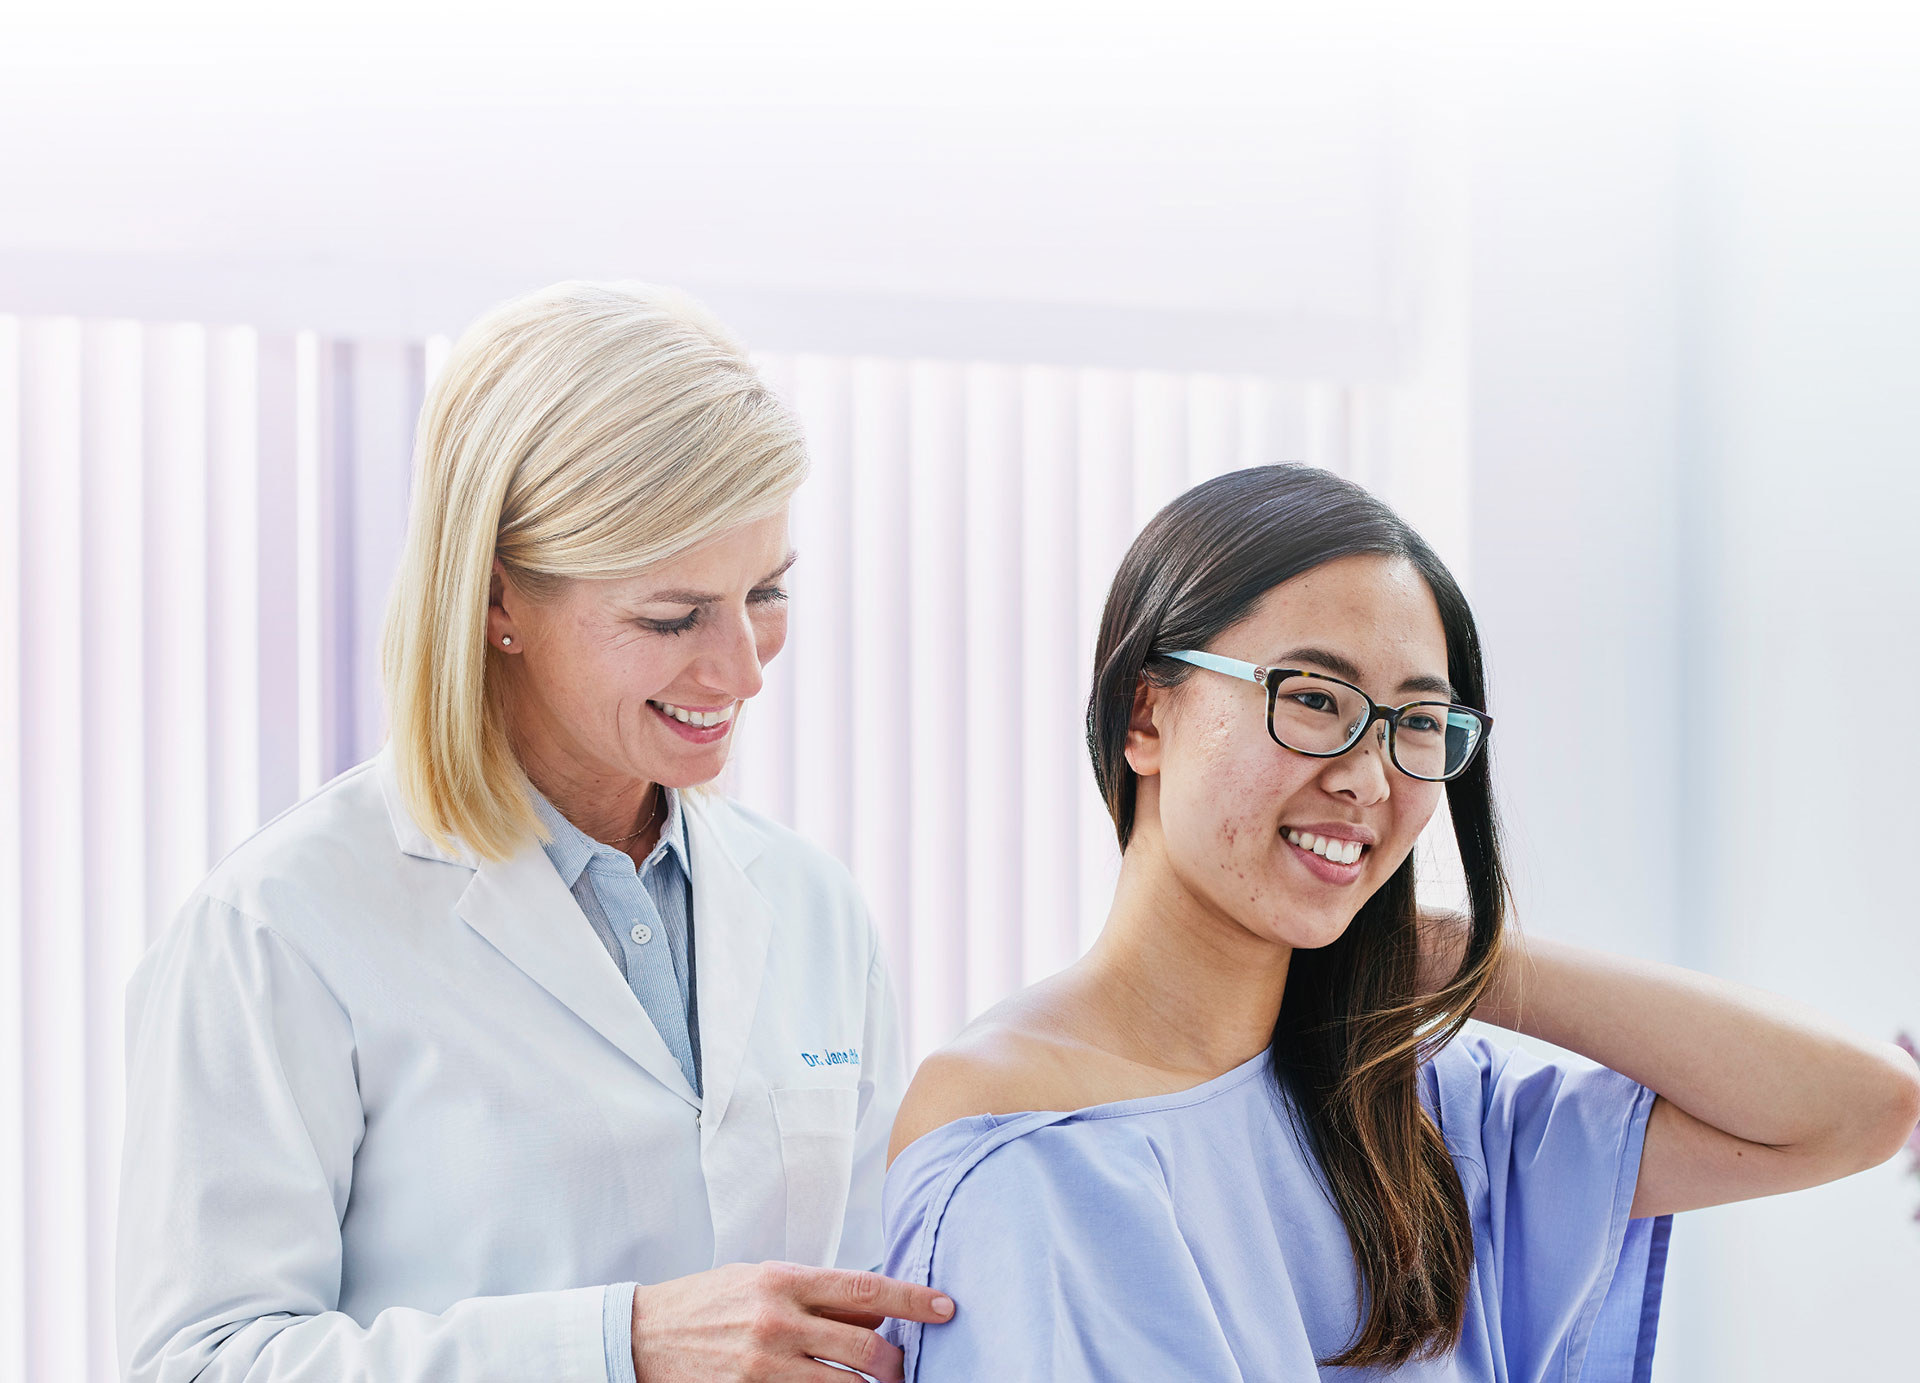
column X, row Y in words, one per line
column 1143, row 727
column 500, row 628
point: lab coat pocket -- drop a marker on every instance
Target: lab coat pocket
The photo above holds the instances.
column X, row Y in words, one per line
column 816, row 1150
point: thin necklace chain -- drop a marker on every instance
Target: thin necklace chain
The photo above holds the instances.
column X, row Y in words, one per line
column 659, row 794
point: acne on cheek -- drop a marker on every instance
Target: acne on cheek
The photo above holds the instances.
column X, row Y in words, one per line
column 1231, row 831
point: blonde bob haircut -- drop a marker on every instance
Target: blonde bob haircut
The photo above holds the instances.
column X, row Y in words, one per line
column 582, row 432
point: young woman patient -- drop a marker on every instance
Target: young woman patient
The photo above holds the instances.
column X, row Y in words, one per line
column 1260, row 1147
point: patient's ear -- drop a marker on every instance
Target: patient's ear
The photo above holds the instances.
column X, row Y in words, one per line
column 1143, row 727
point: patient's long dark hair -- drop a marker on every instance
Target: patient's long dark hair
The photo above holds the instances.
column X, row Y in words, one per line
column 1353, row 1029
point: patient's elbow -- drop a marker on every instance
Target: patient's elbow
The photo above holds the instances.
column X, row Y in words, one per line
column 1888, row 1124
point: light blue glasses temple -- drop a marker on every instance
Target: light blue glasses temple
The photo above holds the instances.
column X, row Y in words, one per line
column 1233, row 667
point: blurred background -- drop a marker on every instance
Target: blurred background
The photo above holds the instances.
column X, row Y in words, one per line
column 1620, row 307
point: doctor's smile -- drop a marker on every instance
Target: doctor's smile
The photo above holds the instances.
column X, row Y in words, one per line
column 700, row 726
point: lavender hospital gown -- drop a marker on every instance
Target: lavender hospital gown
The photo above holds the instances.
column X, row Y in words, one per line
column 1187, row 1237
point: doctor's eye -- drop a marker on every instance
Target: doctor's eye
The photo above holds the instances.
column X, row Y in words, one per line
column 671, row 626
column 768, row 595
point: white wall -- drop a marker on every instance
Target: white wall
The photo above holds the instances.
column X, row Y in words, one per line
column 1130, row 195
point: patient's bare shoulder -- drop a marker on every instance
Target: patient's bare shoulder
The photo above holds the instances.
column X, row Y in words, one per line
column 1008, row 1061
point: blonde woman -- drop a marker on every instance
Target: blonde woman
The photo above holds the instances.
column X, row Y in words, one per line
column 438, row 1065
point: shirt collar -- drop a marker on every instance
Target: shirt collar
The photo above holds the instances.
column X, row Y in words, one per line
column 572, row 849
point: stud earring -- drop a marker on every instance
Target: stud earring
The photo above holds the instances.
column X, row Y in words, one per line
column 505, row 639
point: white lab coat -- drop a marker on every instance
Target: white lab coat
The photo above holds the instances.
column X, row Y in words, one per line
column 394, row 1115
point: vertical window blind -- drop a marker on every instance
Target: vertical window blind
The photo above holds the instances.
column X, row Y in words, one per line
column 198, row 525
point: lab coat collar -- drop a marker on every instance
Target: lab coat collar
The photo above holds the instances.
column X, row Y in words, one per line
column 511, row 903
column 526, row 912
column 413, row 840
column 528, row 915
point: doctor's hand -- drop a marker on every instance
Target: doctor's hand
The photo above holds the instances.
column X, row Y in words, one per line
column 773, row 1321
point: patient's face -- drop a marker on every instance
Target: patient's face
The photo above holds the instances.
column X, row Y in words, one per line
column 1240, row 813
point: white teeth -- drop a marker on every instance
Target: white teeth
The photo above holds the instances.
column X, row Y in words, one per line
column 699, row 719
column 1339, row 851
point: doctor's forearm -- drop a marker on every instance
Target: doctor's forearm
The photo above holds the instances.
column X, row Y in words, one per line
column 1760, row 1066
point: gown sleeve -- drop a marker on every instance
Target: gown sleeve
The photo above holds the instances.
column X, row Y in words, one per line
column 1549, row 1155
column 1061, row 1254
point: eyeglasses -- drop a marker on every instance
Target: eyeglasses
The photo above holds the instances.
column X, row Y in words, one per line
column 1323, row 717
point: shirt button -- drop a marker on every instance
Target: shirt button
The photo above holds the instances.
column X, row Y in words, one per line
column 641, row 934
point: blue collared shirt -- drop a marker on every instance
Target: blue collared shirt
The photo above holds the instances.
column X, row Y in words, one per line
column 644, row 917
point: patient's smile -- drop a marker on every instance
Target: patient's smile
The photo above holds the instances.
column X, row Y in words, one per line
column 1327, row 847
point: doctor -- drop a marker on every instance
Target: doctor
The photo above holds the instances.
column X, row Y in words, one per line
column 439, row 1064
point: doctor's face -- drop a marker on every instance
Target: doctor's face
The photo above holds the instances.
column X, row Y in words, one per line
column 639, row 679
column 1239, row 815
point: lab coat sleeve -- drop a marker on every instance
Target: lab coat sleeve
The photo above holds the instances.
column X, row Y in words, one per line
column 883, row 1083
column 243, row 1116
